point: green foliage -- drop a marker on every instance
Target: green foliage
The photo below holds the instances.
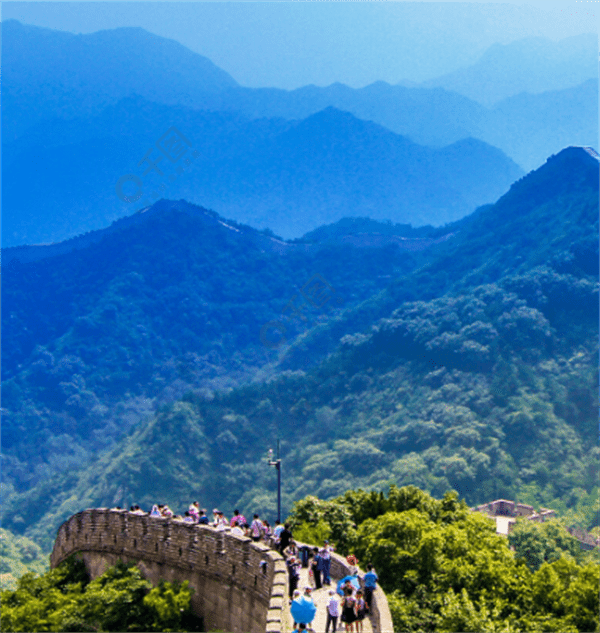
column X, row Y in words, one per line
column 311, row 514
column 119, row 600
column 445, row 568
column 312, row 534
column 18, row 556
column 539, row 543
column 170, row 606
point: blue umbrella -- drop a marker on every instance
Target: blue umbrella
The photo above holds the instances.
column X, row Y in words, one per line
column 353, row 581
column 303, row 610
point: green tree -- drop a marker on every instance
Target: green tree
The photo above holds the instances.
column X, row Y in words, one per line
column 539, row 543
column 119, row 600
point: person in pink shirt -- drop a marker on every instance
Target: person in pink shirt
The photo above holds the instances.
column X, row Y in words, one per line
column 237, row 518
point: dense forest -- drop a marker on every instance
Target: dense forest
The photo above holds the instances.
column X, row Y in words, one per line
column 121, row 599
column 469, row 365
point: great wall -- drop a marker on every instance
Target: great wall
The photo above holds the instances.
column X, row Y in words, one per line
column 239, row 586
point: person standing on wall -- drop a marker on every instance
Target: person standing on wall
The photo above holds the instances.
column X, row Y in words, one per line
column 370, row 582
column 333, row 611
column 237, row 519
column 284, row 538
column 326, row 563
column 315, row 566
column 294, row 574
column 256, row 528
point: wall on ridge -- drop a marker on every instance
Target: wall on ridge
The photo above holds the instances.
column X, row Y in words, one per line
column 239, row 586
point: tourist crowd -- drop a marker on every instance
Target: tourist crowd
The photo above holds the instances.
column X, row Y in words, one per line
column 257, row 529
column 355, row 603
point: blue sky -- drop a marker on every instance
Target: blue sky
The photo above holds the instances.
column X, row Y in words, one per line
column 291, row 44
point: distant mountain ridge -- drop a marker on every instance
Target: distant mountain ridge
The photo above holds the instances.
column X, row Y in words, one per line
column 288, row 176
column 428, row 115
column 545, row 122
column 270, row 244
column 532, row 65
column 69, row 165
column 48, row 73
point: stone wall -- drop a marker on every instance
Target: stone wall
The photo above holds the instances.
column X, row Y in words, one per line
column 239, row 586
column 505, row 508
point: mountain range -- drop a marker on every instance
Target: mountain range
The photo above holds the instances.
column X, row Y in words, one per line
column 466, row 360
column 76, row 119
column 289, row 176
column 48, row 73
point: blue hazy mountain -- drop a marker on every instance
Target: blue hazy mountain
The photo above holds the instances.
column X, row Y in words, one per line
column 430, row 116
column 527, row 125
column 534, row 65
column 50, row 73
column 47, row 73
column 289, row 176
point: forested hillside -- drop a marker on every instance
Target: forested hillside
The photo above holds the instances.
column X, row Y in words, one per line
column 549, row 218
column 476, row 371
column 173, row 299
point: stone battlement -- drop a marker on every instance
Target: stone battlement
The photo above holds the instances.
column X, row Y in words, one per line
column 239, row 586
column 505, row 508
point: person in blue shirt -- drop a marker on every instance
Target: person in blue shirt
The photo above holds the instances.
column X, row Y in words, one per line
column 326, row 563
column 370, row 581
column 316, row 567
column 202, row 518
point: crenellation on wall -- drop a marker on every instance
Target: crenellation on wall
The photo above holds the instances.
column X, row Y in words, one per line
column 236, row 583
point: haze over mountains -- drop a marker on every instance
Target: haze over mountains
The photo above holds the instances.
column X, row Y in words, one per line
column 531, row 65
column 47, row 73
column 242, row 172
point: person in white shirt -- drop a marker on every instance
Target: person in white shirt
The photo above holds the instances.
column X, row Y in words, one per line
column 237, row 530
column 333, row 611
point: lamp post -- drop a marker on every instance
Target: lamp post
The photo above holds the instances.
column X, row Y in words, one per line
column 277, row 464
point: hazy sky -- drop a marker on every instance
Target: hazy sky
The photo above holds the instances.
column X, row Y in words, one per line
column 291, row 44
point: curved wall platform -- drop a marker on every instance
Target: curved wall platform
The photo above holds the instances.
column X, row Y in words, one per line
column 239, row 586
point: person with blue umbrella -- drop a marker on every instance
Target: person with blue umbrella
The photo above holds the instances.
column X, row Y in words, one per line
column 348, row 581
column 303, row 608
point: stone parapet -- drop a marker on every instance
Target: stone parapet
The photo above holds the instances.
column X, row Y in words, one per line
column 238, row 585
